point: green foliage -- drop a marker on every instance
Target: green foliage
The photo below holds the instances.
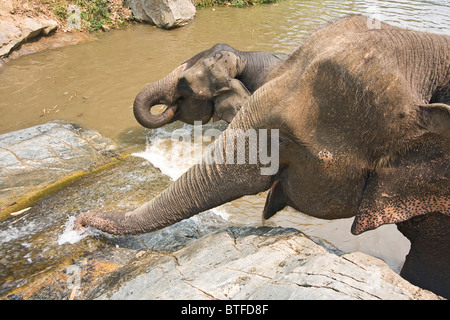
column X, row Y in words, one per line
column 266, row 1
column 58, row 7
column 94, row 13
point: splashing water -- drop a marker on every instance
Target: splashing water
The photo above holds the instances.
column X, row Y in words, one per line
column 172, row 151
column 73, row 236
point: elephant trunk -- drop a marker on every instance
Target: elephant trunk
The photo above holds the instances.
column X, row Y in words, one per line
column 202, row 187
column 160, row 92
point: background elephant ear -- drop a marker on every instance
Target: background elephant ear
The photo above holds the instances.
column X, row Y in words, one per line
column 415, row 182
column 229, row 100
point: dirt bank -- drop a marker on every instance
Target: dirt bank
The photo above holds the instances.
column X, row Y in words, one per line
column 34, row 25
column 95, row 14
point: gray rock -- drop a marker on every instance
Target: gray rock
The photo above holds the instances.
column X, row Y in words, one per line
column 16, row 30
column 43, row 237
column 36, row 157
column 256, row 263
column 165, row 14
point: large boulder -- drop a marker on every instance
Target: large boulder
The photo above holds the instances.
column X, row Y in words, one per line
column 206, row 258
column 165, row 14
column 17, row 29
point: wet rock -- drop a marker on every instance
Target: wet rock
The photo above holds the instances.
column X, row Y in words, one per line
column 17, row 29
column 176, row 236
column 39, row 252
column 255, row 263
column 36, row 157
column 165, row 14
column 230, row 263
column 66, row 281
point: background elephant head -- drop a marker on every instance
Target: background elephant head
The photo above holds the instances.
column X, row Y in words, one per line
column 363, row 131
column 215, row 83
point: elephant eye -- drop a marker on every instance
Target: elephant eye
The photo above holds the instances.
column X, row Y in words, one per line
column 284, row 143
column 207, row 64
column 184, row 87
column 287, row 142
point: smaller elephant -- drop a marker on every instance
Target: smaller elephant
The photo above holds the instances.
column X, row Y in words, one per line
column 214, row 83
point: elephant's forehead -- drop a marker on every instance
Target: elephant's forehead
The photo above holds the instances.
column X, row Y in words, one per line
column 335, row 103
column 220, row 61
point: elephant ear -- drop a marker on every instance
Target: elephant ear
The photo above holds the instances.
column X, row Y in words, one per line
column 415, row 182
column 230, row 99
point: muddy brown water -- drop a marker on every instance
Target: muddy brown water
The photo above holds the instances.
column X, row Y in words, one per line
column 94, row 84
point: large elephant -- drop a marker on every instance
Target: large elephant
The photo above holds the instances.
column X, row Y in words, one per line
column 214, row 83
column 363, row 120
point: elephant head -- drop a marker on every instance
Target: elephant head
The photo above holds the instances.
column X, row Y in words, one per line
column 214, row 83
column 362, row 130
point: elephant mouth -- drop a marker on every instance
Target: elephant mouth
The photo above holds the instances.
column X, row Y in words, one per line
column 191, row 110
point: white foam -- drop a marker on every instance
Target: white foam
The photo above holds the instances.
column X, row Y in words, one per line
column 221, row 212
column 73, row 236
column 173, row 152
column 13, row 233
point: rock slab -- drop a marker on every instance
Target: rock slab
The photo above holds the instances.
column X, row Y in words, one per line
column 165, row 14
column 240, row 263
column 36, row 157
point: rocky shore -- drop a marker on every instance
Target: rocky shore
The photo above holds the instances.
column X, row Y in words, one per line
column 17, row 26
column 31, row 26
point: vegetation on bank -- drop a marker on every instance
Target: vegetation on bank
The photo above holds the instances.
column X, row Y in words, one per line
column 98, row 15
column 95, row 15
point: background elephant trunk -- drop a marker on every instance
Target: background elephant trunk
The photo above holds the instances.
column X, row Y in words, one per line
column 160, row 92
